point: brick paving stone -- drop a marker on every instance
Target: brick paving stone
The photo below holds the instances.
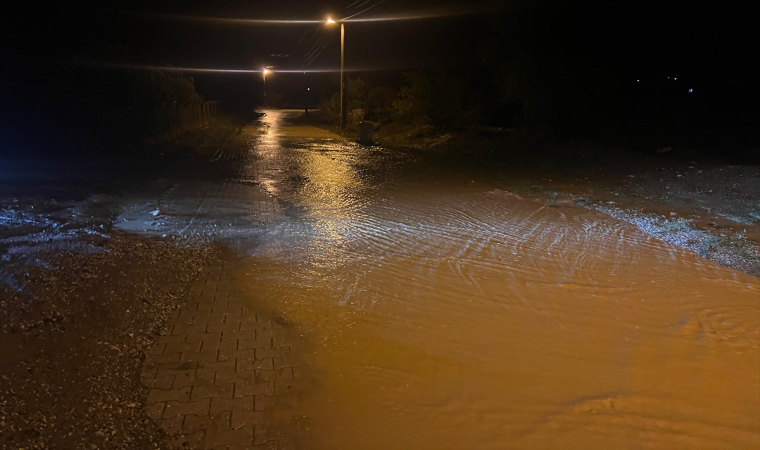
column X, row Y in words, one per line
column 236, row 335
column 299, row 373
column 287, row 386
column 217, row 365
column 161, row 395
column 219, row 327
column 233, row 377
column 219, row 373
column 193, row 379
column 172, row 426
column 218, row 421
column 200, row 335
column 249, row 325
column 209, row 316
column 281, row 352
column 244, row 389
column 189, row 440
column 232, row 404
column 156, row 410
column 157, row 349
column 262, row 402
column 280, row 363
column 256, row 339
column 181, row 369
column 285, row 373
column 179, row 339
column 242, row 417
column 181, row 347
column 237, row 354
column 199, row 408
column 265, row 433
column 211, row 391
column 166, row 358
column 165, row 382
column 242, row 437
column 200, row 356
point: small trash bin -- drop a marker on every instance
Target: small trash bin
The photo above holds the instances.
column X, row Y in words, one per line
column 365, row 133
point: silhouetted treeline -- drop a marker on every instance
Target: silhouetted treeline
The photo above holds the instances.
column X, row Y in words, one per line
column 78, row 109
column 624, row 74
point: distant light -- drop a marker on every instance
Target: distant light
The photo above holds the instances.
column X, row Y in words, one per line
column 691, row 90
column 265, row 71
column 638, row 81
column 308, row 89
column 329, row 21
column 675, row 79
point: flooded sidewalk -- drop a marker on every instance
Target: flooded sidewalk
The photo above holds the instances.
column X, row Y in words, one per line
column 440, row 312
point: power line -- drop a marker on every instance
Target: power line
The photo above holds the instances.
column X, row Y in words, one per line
column 304, row 35
column 364, row 10
column 314, row 58
column 363, row 3
column 318, row 44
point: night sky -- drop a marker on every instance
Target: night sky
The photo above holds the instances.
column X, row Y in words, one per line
column 716, row 41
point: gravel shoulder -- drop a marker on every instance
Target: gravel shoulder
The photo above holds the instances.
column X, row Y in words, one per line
column 74, row 342
column 82, row 302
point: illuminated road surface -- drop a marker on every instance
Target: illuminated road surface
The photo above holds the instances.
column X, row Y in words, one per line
column 445, row 314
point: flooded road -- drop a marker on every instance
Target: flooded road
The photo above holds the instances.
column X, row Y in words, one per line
column 443, row 313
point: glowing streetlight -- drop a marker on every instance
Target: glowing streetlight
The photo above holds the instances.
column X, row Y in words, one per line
column 343, row 102
column 264, row 73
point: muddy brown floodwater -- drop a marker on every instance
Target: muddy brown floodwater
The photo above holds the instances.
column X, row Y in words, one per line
column 446, row 314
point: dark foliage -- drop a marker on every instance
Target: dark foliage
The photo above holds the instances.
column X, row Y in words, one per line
column 81, row 109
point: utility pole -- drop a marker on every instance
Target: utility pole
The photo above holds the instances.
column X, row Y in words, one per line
column 264, row 76
column 343, row 101
column 306, row 95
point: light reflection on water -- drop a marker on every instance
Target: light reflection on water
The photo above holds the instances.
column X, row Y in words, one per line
column 446, row 314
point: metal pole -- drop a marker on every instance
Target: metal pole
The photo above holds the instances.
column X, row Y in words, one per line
column 305, row 96
column 265, row 90
column 343, row 102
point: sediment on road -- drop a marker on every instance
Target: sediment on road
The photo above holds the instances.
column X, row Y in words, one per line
column 74, row 340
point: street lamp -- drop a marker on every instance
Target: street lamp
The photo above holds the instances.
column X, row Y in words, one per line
column 343, row 102
column 264, row 73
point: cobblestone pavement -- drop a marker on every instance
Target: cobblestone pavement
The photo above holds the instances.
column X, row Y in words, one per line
column 224, row 374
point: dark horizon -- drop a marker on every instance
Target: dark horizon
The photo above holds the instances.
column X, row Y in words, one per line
column 661, row 51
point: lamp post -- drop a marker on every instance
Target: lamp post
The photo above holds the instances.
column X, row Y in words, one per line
column 343, row 102
column 264, row 73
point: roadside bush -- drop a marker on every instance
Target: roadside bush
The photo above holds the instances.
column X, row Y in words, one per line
column 376, row 102
column 83, row 108
column 127, row 106
column 438, row 98
column 380, row 103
